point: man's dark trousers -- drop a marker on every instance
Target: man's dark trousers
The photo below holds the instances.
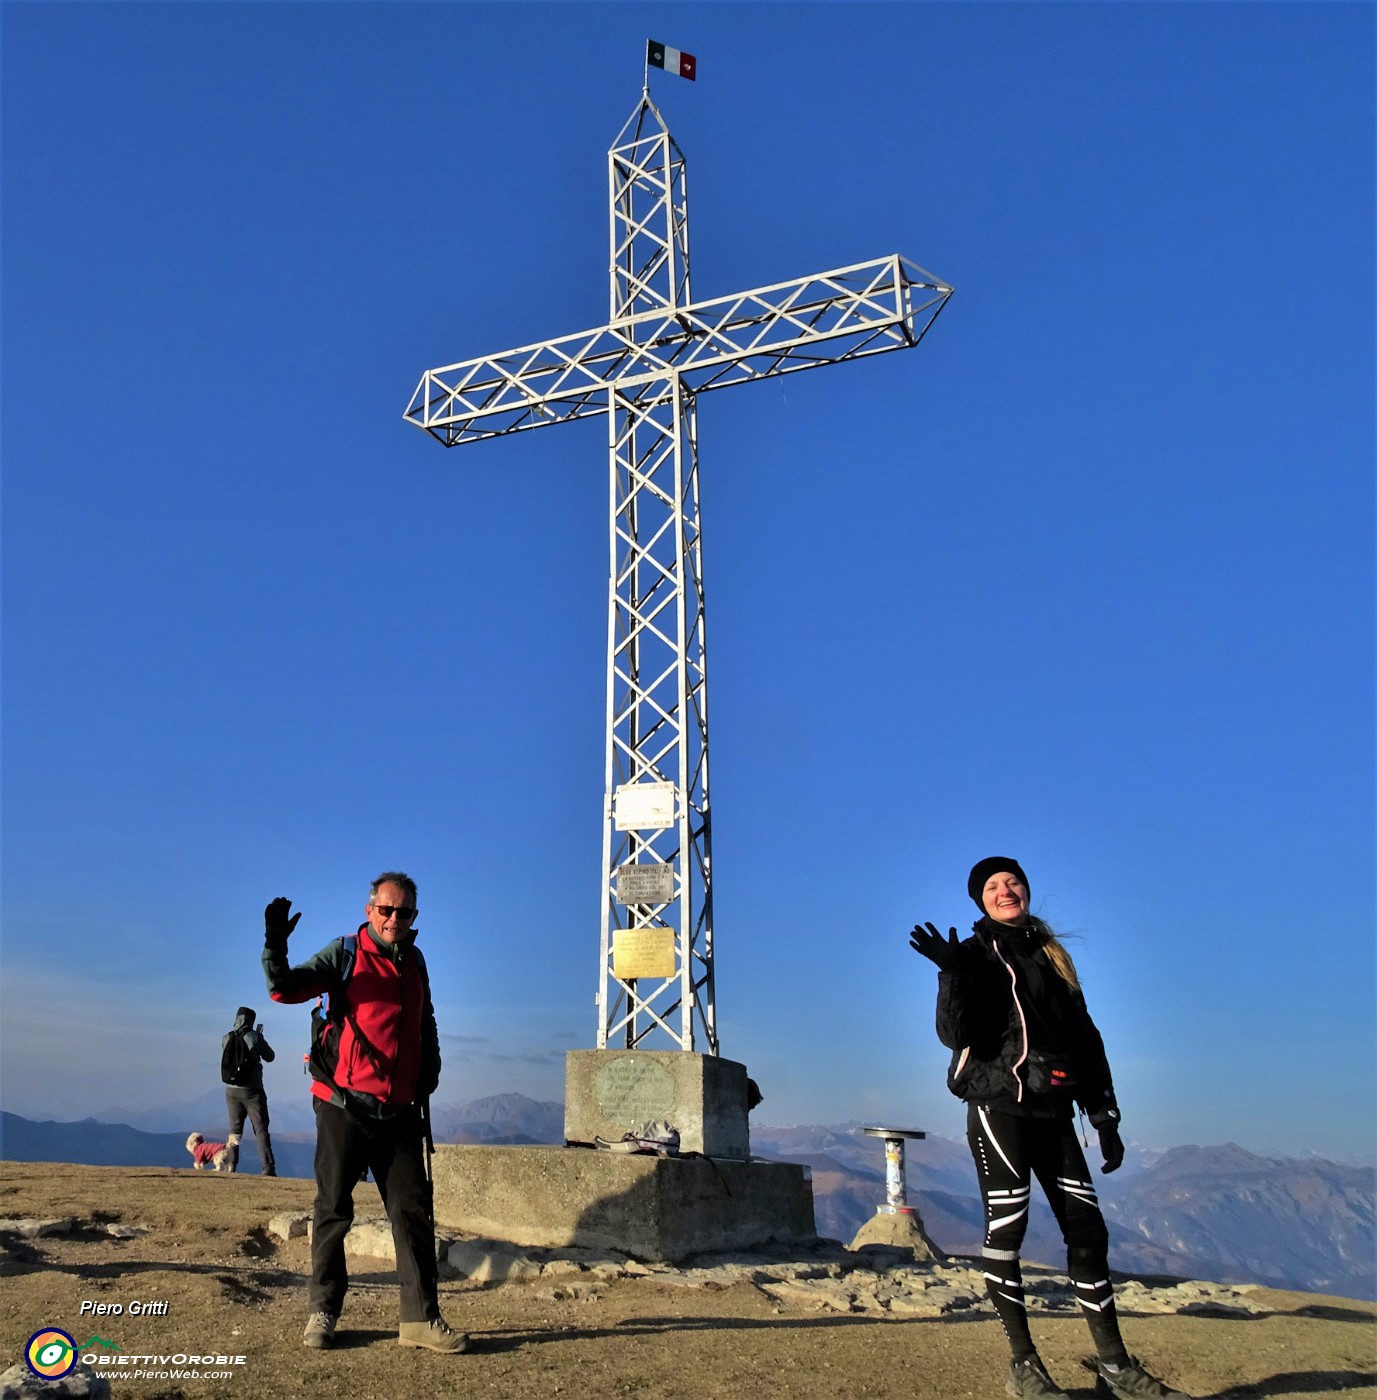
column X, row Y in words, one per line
column 249, row 1103
column 393, row 1150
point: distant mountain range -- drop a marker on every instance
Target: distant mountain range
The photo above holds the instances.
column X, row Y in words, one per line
column 498, row 1119
column 1218, row 1213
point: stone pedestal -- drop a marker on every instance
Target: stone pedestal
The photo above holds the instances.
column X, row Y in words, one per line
column 899, row 1229
column 611, row 1092
column 657, row 1209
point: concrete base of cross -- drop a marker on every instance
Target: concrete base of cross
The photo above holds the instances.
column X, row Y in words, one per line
column 656, row 1209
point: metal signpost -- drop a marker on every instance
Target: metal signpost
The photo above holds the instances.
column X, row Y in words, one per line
column 643, row 370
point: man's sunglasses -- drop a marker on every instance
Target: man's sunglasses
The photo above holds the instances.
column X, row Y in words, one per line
column 400, row 910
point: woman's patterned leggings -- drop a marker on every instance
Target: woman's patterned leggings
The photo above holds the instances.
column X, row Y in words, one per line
column 1009, row 1151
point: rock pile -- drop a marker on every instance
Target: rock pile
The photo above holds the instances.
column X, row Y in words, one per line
column 68, row 1225
column 877, row 1280
column 80, row 1383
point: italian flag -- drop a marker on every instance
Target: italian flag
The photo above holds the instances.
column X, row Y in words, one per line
column 671, row 60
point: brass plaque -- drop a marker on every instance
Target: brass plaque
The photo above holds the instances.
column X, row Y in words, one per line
column 643, row 952
column 645, row 884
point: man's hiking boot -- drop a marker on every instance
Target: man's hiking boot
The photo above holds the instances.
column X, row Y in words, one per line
column 1131, row 1382
column 1028, row 1379
column 320, row 1331
column 435, row 1335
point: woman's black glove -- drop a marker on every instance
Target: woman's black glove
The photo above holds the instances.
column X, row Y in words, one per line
column 1111, row 1146
column 945, row 952
column 277, row 927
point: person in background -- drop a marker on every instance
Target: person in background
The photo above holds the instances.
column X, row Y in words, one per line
column 1024, row 1053
column 245, row 1096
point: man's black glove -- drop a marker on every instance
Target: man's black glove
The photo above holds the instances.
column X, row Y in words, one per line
column 277, row 927
column 1111, row 1147
column 945, row 952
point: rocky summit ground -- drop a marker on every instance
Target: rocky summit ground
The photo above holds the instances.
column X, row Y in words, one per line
column 221, row 1253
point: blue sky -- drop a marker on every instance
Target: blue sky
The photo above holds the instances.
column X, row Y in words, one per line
column 1086, row 579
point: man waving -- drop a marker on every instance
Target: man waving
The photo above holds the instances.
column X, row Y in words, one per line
column 373, row 1068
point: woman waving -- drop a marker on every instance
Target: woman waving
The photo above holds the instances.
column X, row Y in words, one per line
column 1024, row 1053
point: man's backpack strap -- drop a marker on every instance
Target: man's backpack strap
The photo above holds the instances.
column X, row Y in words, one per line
column 327, row 1017
column 324, row 1006
column 350, row 944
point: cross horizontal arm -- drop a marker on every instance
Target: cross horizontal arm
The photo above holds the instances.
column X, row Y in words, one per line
column 887, row 304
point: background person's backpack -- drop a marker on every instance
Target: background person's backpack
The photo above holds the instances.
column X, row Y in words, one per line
column 236, row 1060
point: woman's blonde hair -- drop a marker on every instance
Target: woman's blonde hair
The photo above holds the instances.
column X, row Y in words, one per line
column 1058, row 956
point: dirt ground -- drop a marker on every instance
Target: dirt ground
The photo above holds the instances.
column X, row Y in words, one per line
column 232, row 1289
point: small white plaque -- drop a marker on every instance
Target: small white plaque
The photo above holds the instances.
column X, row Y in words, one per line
column 644, row 806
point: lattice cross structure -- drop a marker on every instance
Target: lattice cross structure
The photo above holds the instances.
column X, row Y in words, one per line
column 644, row 370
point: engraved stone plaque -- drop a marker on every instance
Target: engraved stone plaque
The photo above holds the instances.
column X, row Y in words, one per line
column 643, row 952
column 645, row 884
column 644, row 806
column 632, row 1090
column 704, row 1096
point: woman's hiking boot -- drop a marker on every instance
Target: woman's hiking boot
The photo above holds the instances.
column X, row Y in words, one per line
column 1028, row 1379
column 1132, row 1382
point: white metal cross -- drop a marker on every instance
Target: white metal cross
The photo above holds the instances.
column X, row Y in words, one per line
column 644, row 370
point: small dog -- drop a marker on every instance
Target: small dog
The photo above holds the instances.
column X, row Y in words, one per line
column 218, row 1156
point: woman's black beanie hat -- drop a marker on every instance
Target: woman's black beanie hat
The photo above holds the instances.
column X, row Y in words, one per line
column 992, row 865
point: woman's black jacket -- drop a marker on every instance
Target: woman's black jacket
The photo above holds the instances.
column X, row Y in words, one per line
column 1013, row 1023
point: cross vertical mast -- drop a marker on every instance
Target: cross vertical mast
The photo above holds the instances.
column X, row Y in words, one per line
column 656, row 674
